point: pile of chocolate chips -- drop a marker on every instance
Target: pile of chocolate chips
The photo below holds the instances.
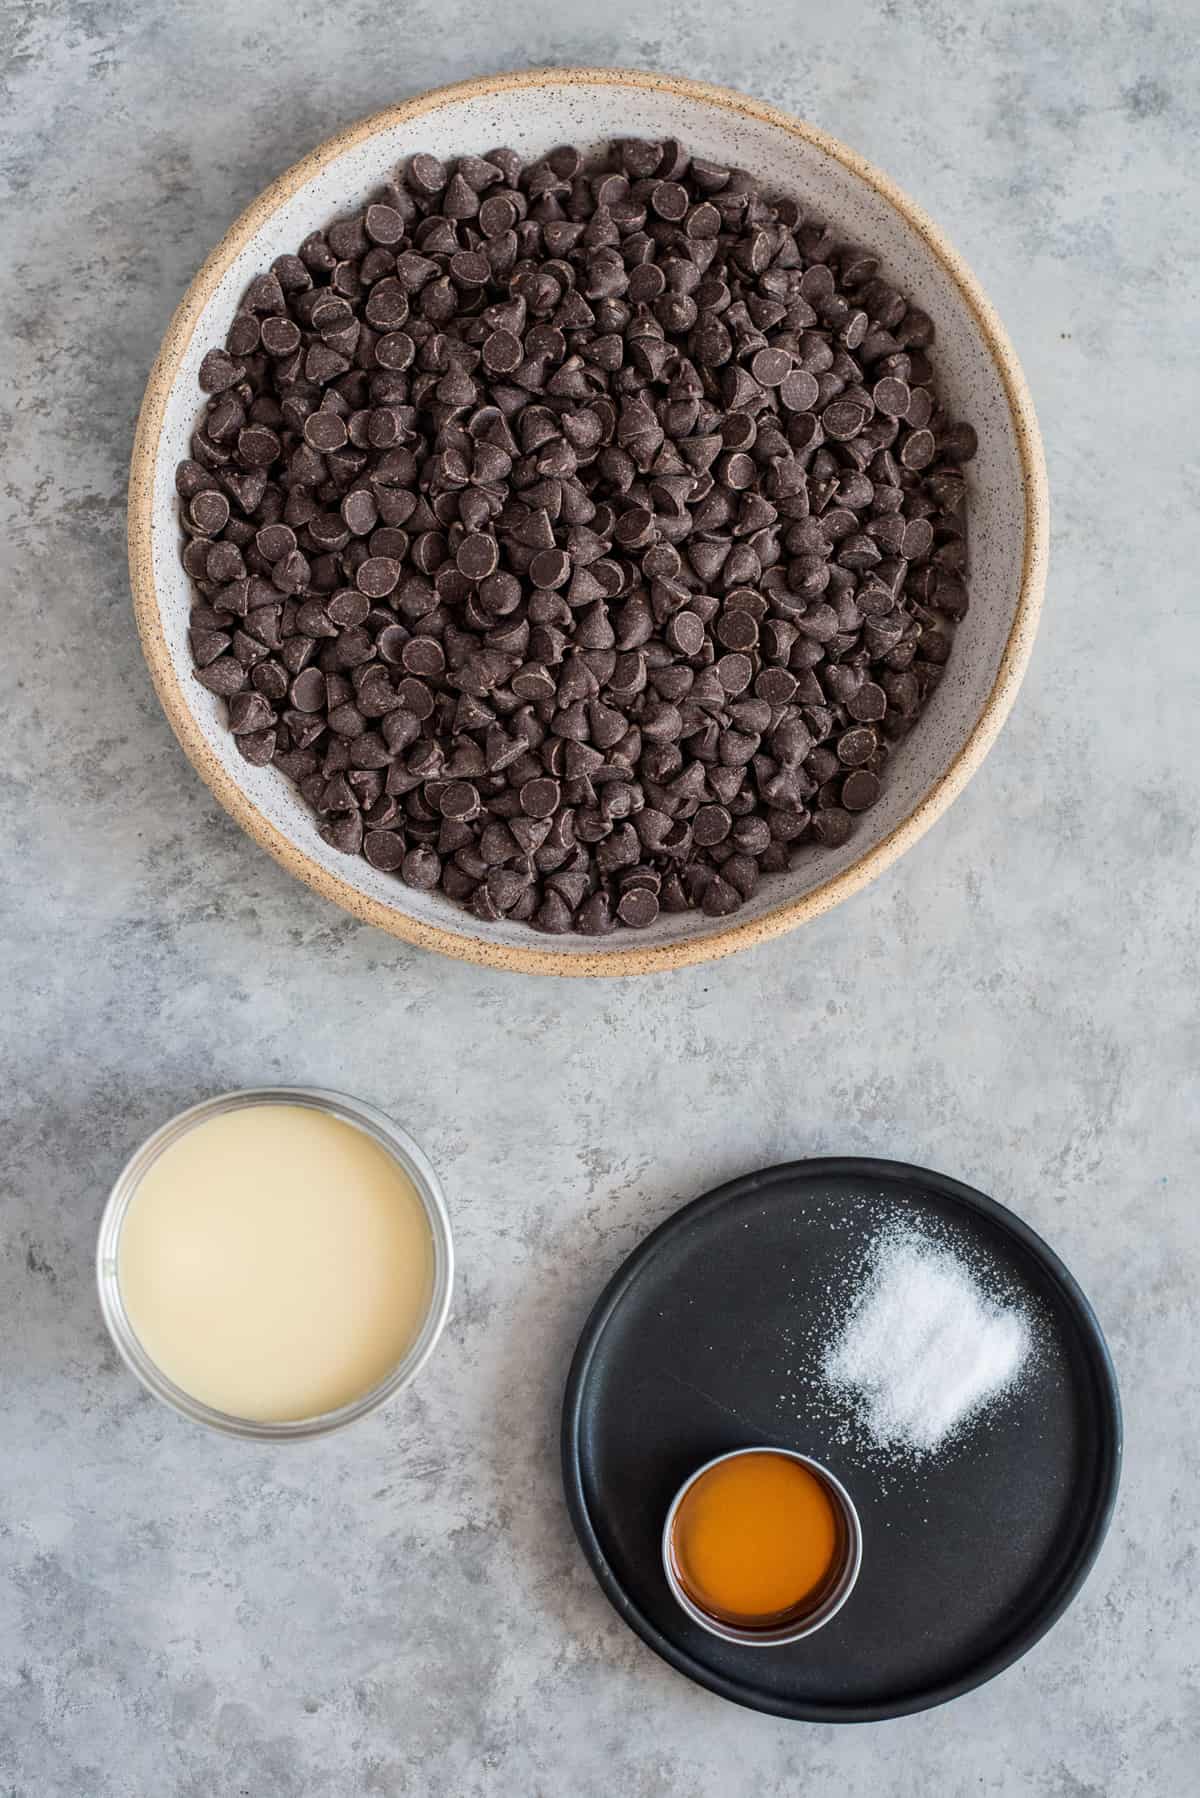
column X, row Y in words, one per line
column 577, row 537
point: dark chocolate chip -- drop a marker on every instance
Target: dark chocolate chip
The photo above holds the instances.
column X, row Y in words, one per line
column 860, row 790
column 711, row 825
column 539, row 798
column 856, row 746
column 637, row 907
column 832, row 826
column 868, row 703
column 377, row 576
column 799, row 391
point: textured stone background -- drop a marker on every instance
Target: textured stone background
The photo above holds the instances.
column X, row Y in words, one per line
column 404, row 1610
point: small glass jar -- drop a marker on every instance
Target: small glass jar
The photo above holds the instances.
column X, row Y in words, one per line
column 360, row 1116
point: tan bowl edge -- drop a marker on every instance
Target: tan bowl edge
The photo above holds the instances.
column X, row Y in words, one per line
column 615, row 960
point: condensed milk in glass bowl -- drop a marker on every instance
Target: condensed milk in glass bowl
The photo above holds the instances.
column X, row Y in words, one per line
column 276, row 1263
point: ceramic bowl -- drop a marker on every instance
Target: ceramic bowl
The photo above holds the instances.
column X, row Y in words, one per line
column 979, row 379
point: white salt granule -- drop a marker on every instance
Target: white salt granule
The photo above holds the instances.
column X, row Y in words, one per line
column 923, row 1347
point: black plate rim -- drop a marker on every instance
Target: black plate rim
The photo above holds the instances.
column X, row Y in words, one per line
column 1093, row 1530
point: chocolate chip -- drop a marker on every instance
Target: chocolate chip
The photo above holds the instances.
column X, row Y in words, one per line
column 799, row 391
column 249, row 712
column 832, row 826
column 458, row 799
column 737, row 630
column 360, row 512
column 553, row 915
column 770, row 367
column 421, row 868
column 478, row 556
column 685, row 633
column 209, row 513
column 280, row 336
column 735, row 673
column 416, row 698
column 383, row 224
column 218, row 372
column 497, row 215
column 424, row 657
column 258, row 446
column 426, row 174
column 275, row 541
column 856, row 746
column 223, row 563
column 257, row 747
column 860, row 790
column 720, row 898
column 595, row 917
column 868, row 703
column 638, row 907
column 308, row 691
column 776, row 685
column 502, row 352
column 959, row 443
column 917, row 450
column 347, row 721
column 711, row 825
column 551, row 568
column 223, row 676
column 844, row 419
column 377, row 576
column 323, row 431
column 539, row 798
column 384, row 849
column 892, row 397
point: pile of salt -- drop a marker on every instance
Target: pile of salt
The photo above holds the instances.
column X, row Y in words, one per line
column 923, row 1348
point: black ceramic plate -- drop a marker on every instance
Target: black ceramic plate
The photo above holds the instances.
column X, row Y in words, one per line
column 708, row 1338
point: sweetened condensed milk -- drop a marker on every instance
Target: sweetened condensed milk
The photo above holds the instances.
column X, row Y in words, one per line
column 275, row 1262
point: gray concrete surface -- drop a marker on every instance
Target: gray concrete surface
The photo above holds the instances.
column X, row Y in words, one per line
column 404, row 1610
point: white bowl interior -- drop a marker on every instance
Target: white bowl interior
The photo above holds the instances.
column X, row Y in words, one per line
column 532, row 120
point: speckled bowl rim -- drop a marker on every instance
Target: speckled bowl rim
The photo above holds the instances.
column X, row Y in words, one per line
column 615, row 960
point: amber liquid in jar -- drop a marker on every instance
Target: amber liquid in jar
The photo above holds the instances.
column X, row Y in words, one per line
column 756, row 1540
